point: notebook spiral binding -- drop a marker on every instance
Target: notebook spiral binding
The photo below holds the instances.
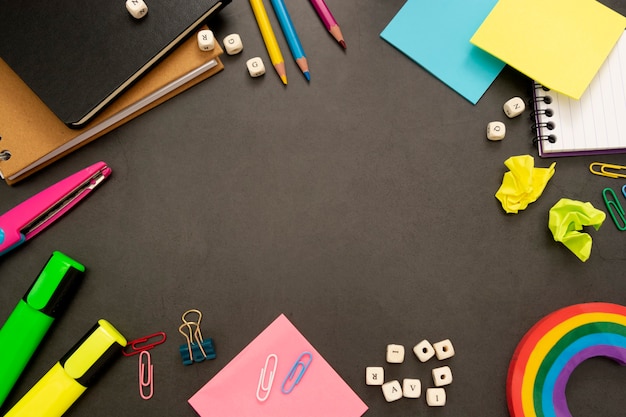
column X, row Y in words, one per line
column 5, row 155
column 541, row 114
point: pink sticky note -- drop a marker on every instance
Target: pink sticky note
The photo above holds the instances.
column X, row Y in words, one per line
column 320, row 391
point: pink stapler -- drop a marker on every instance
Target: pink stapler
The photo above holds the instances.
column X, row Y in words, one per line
column 35, row 214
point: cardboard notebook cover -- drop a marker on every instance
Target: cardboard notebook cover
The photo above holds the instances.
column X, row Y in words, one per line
column 78, row 57
column 34, row 137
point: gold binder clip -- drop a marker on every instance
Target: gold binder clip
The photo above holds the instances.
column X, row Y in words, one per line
column 197, row 349
column 603, row 170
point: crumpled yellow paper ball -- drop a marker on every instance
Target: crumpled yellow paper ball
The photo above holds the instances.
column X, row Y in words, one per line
column 566, row 219
column 523, row 184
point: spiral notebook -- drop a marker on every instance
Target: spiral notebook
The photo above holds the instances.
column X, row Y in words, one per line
column 595, row 124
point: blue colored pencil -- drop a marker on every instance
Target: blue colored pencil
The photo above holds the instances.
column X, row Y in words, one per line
column 292, row 37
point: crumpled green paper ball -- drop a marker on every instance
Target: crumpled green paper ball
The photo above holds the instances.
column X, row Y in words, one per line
column 523, row 184
column 566, row 219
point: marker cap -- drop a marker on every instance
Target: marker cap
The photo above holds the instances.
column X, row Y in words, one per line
column 85, row 361
column 55, row 286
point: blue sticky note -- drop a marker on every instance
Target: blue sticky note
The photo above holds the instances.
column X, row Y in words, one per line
column 436, row 35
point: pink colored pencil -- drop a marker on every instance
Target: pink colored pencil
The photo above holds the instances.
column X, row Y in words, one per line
column 329, row 21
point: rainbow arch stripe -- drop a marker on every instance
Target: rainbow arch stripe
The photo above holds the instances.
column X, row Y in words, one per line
column 550, row 351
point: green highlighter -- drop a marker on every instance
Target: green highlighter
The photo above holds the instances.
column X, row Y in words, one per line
column 31, row 319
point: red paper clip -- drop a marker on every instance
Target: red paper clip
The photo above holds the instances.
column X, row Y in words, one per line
column 144, row 343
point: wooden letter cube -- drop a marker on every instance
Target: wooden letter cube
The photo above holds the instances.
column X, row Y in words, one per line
column 206, row 40
column 424, row 350
column 374, row 375
column 514, row 107
column 392, row 391
column 496, row 131
column 411, row 388
column 442, row 376
column 436, row 397
column 232, row 44
column 395, row 353
column 137, row 8
column 444, row 349
column 255, row 66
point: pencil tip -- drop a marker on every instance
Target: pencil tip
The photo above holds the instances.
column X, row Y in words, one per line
column 307, row 75
column 284, row 79
column 343, row 44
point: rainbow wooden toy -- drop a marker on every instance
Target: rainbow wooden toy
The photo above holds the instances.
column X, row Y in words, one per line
column 550, row 351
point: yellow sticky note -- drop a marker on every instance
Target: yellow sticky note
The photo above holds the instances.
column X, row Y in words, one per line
column 558, row 43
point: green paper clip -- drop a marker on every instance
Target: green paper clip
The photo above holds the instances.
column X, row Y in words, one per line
column 615, row 208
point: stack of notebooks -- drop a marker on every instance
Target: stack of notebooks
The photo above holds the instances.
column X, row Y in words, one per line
column 102, row 69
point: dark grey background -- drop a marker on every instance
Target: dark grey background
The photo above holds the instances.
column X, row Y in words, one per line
column 361, row 205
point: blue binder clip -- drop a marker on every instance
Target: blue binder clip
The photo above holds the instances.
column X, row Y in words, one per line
column 197, row 349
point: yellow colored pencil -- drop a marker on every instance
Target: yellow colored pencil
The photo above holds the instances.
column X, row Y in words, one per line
column 269, row 38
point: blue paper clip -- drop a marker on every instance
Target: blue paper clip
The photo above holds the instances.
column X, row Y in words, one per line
column 615, row 208
column 196, row 349
column 292, row 372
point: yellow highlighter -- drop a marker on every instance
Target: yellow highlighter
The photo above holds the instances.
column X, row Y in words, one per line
column 55, row 393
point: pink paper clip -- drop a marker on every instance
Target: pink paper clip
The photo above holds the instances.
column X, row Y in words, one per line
column 146, row 374
column 144, row 343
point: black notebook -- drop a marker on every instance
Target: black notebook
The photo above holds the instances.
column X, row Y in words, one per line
column 79, row 56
